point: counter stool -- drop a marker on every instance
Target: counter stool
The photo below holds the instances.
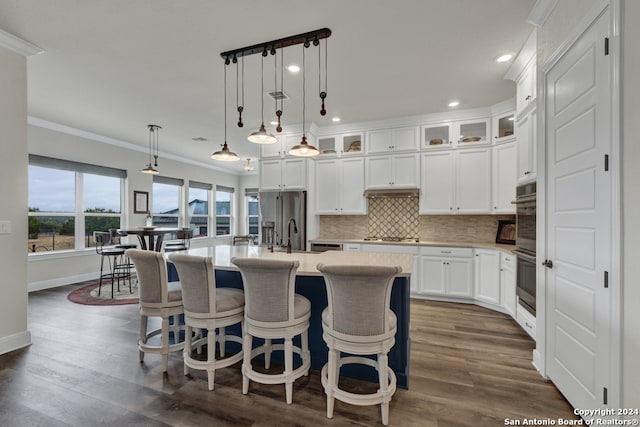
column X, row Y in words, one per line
column 118, row 268
column 210, row 308
column 273, row 310
column 158, row 298
column 358, row 321
column 182, row 242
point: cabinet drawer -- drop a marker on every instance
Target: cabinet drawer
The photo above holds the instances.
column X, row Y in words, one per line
column 395, row 249
column 446, row 252
column 508, row 261
column 526, row 321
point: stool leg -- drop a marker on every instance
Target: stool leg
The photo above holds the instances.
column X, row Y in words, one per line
column 165, row 343
column 288, row 368
column 211, row 356
column 143, row 334
column 246, row 361
column 101, row 268
column 187, row 347
column 383, row 377
column 267, row 353
column 222, row 338
column 331, row 380
column 305, row 349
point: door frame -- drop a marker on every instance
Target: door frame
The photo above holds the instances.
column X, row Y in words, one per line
column 615, row 166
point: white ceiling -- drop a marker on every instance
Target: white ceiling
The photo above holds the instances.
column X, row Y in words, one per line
column 112, row 67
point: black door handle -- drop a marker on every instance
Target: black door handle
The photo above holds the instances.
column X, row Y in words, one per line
column 548, row 263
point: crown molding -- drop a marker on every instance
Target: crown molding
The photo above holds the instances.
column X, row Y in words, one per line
column 45, row 124
column 19, row 46
column 541, row 11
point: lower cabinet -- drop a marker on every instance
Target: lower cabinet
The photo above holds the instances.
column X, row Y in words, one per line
column 446, row 272
column 487, row 276
column 508, row 283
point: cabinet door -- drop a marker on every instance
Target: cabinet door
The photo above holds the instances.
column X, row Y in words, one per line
column 503, row 127
column 508, row 283
column 526, row 88
column 472, row 132
column 437, row 183
column 379, row 141
column 473, row 181
column 504, row 178
column 459, row 277
column 294, row 174
column 533, row 145
column 405, row 171
column 432, row 275
column 405, row 139
column 526, row 148
column 289, row 141
column 271, row 150
column 351, row 187
column 487, row 277
column 378, row 172
column 436, row 136
column 326, row 187
column 270, row 175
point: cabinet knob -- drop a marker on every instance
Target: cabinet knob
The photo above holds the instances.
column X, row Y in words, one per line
column 527, row 173
column 527, row 98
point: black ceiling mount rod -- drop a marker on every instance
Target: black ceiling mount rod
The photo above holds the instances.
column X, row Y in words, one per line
column 271, row 46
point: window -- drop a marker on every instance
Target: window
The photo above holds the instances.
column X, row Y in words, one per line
column 199, row 208
column 224, row 207
column 167, row 193
column 68, row 201
column 253, row 211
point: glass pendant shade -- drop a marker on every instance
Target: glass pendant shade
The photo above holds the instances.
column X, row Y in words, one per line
column 225, row 155
column 304, row 149
column 248, row 167
column 262, row 136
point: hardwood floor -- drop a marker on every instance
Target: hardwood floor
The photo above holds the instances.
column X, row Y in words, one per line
column 469, row 367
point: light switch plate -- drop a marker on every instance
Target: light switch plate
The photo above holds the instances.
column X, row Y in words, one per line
column 5, row 227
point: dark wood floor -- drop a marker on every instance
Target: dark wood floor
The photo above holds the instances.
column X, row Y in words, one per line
column 469, row 367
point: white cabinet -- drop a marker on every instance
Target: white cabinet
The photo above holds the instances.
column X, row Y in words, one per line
column 461, row 134
column 339, row 185
column 504, row 127
column 487, row 276
column 399, row 249
column 526, row 320
column 508, row 283
column 526, row 88
column 504, row 178
column 283, row 145
column 446, row 272
column 398, row 171
column 393, row 140
column 287, row 174
column 456, row 182
column 527, row 151
column 351, row 247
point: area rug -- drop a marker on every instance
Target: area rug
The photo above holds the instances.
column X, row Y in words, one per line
column 88, row 294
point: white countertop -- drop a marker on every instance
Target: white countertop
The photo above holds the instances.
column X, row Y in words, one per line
column 479, row 245
column 222, row 255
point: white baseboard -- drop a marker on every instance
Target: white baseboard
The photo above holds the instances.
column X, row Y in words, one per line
column 61, row 281
column 15, row 341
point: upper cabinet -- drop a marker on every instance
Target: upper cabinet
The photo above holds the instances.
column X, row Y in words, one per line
column 460, row 134
column 526, row 88
column 340, row 187
column 527, row 148
column 503, row 127
column 342, row 145
column 398, row 171
column 287, row 174
column 285, row 142
column 393, row 140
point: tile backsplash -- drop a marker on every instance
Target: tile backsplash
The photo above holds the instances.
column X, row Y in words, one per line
column 441, row 228
column 394, row 216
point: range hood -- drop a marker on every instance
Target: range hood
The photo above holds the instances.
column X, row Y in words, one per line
column 392, row 192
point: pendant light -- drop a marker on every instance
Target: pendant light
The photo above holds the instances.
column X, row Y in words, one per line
column 248, row 167
column 262, row 136
column 225, row 155
column 154, row 138
column 304, row 149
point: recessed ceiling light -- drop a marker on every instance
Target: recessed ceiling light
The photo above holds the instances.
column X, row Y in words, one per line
column 504, row 58
column 273, row 123
column 335, row 119
column 454, row 104
column 511, row 118
column 293, row 68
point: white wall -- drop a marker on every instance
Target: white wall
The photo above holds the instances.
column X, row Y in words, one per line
column 52, row 269
column 13, row 193
column 562, row 22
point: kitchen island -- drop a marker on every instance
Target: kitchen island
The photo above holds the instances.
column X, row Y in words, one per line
column 310, row 283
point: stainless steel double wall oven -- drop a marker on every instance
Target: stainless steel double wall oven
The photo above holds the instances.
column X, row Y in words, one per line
column 526, row 245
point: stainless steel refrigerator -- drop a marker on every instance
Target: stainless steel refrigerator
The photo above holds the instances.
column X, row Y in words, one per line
column 281, row 211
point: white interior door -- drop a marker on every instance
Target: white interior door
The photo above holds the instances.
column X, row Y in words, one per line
column 578, row 215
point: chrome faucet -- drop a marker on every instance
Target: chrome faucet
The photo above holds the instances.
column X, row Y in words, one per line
column 295, row 230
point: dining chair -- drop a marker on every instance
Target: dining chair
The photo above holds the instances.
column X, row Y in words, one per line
column 273, row 311
column 119, row 269
column 207, row 307
column 358, row 321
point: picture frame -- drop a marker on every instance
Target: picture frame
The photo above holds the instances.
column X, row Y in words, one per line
column 506, row 232
column 140, row 202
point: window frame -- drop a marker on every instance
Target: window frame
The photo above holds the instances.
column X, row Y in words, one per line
column 181, row 197
column 250, row 193
column 231, row 192
column 209, row 216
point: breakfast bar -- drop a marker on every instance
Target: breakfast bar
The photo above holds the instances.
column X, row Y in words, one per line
column 310, row 283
